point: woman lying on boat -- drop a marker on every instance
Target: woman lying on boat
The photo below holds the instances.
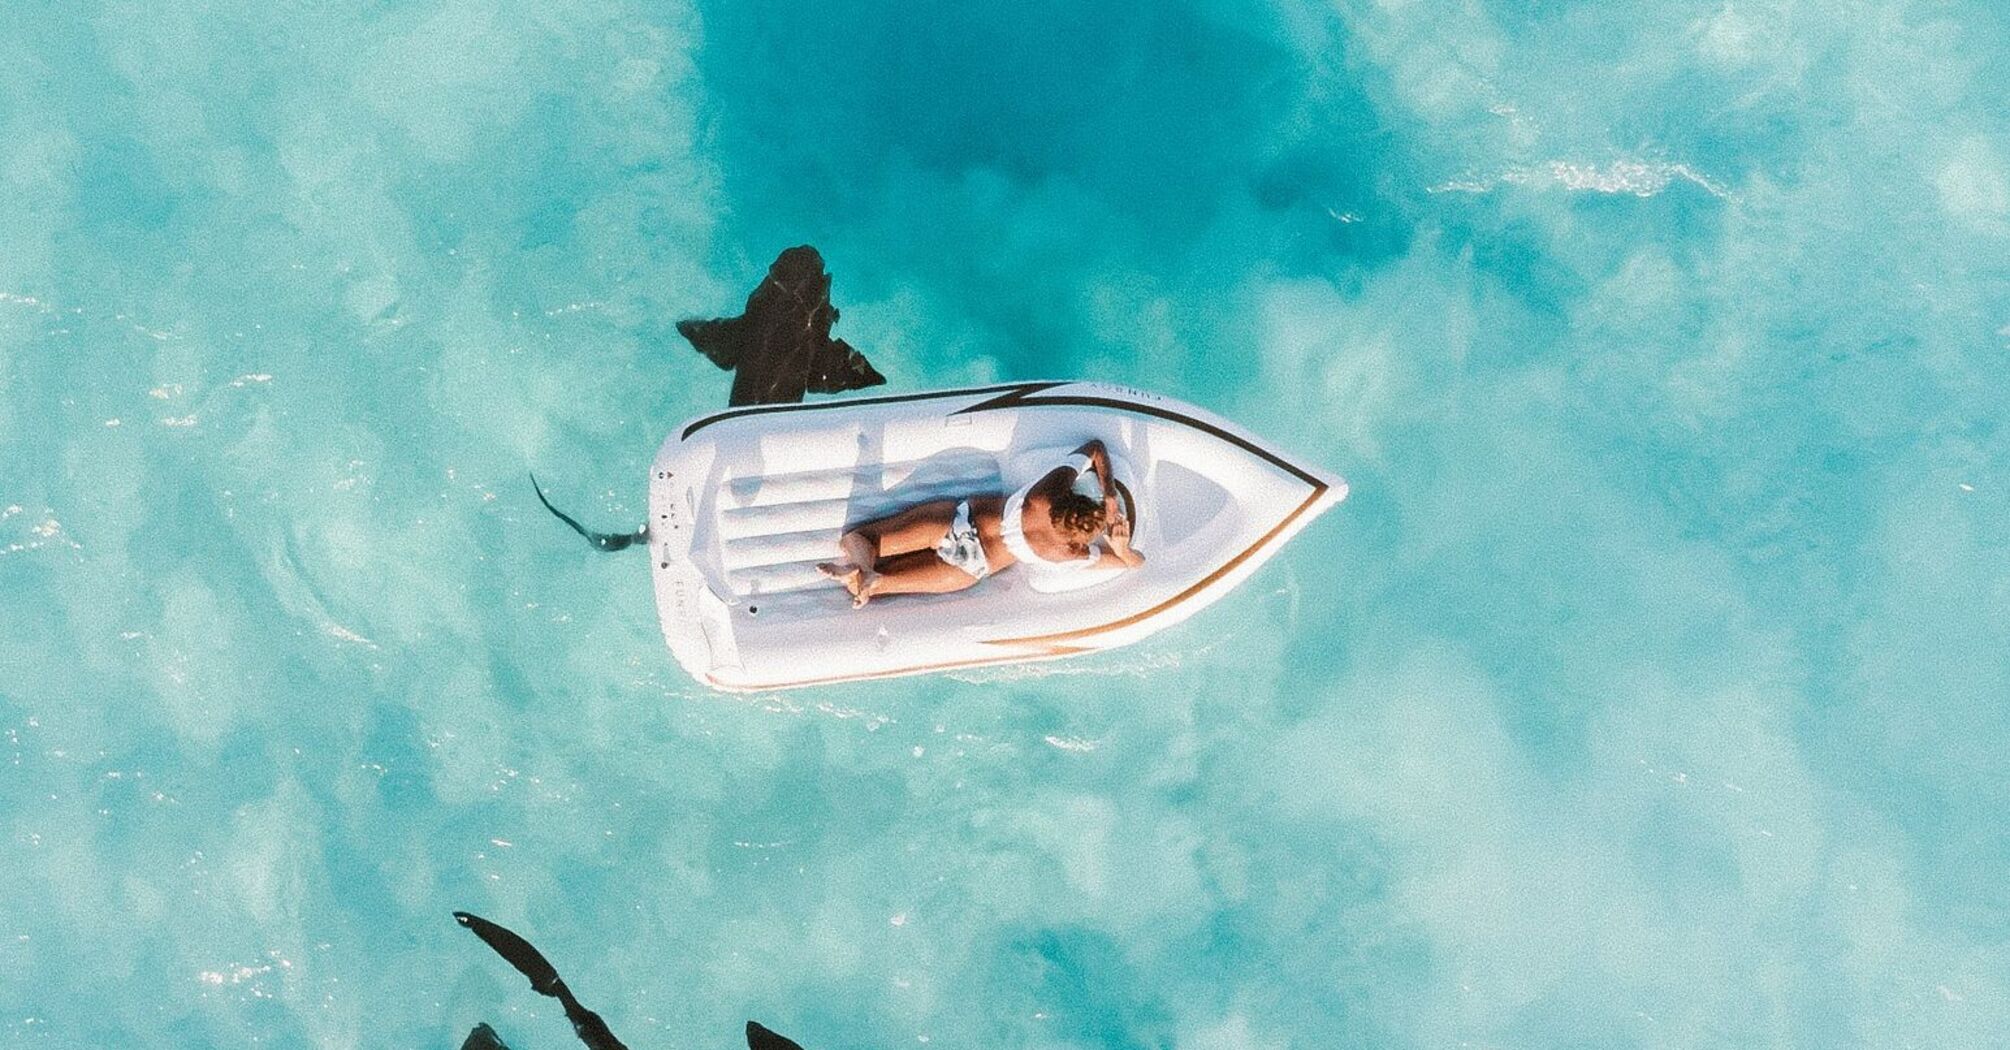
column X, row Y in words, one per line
column 1069, row 519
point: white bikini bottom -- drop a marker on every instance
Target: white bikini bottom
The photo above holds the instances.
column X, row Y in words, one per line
column 961, row 548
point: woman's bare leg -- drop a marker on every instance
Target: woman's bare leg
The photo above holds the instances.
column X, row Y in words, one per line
column 869, row 547
column 861, row 554
column 917, row 528
column 916, row 572
column 855, row 569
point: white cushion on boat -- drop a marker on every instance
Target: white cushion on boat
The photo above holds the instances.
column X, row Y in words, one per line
column 774, row 529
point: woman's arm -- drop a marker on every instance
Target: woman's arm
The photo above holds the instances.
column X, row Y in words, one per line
column 1099, row 464
column 1099, row 459
column 1119, row 541
column 1062, row 478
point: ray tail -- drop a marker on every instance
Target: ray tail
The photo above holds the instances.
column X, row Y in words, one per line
column 605, row 541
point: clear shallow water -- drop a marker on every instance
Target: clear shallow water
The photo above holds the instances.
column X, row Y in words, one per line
column 1651, row 689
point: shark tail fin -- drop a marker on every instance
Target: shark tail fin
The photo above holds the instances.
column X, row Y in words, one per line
column 759, row 1038
column 604, row 541
column 484, row 1038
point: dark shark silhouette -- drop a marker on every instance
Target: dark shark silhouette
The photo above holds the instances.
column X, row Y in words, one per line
column 544, row 980
column 759, row 1038
column 484, row 1038
column 778, row 349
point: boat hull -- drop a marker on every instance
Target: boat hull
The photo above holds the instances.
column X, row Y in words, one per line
column 744, row 503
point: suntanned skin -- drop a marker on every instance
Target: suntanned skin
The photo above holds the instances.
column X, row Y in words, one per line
column 1038, row 526
column 896, row 554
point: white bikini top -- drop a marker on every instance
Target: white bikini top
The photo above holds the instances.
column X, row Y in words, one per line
column 1010, row 531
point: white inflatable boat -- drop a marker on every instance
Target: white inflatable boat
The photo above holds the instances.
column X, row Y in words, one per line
column 744, row 504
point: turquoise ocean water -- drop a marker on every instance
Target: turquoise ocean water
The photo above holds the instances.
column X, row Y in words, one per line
column 1651, row 690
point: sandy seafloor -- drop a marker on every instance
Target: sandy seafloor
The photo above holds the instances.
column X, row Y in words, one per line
column 1651, row 690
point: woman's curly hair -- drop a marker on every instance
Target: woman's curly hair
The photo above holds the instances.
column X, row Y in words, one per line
column 1074, row 514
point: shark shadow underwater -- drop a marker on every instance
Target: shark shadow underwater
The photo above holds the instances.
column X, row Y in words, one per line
column 544, row 980
column 779, row 348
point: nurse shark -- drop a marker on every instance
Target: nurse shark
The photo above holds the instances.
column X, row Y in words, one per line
column 544, row 980
column 778, row 348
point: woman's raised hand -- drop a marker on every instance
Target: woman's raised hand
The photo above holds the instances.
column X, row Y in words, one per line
column 1120, row 544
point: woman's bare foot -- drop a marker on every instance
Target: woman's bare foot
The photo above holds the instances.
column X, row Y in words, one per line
column 868, row 585
column 856, row 580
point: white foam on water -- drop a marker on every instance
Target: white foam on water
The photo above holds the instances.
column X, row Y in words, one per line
column 1633, row 177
